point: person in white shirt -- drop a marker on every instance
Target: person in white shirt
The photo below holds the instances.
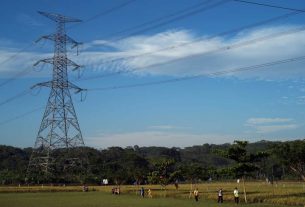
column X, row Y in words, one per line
column 220, row 196
column 236, row 196
column 196, row 194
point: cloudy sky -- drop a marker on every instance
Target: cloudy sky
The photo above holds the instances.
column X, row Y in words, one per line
column 163, row 73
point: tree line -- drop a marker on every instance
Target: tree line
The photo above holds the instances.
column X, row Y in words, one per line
column 162, row 165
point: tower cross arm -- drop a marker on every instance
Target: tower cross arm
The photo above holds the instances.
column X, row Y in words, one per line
column 53, row 37
column 75, row 87
column 42, row 84
column 59, row 84
column 69, row 63
column 72, row 41
column 73, row 64
column 58, row 17
column 47, row 60
column 48, row 37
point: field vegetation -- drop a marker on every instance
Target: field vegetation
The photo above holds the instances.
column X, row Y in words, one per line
column 280, row 193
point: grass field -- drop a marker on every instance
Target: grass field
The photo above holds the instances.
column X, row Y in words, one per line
column 258, row 193
column 99, row 199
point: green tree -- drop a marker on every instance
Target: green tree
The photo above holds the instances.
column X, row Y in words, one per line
column 292, row 155
column 192, row 173
column 163, row 168
column 245, row 162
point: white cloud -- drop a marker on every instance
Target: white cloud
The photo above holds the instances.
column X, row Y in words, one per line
column 270, row 125
column 155, row 138
column 256, row 121
column 163, row 127
column 168, row 127
column 191, row 61
column 275, row 128
column 12, row 63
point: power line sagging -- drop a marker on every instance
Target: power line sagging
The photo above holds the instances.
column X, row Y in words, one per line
column 213, row 74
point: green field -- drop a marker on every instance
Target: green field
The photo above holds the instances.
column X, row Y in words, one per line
column 258, row 193
column 99, row 199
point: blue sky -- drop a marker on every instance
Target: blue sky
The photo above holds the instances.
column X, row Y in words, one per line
column 261, row 104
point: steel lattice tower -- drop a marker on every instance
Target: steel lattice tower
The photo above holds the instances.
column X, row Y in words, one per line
column 59, row 140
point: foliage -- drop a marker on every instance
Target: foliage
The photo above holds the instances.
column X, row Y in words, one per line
column 292, row 155
column 163, row 170
column 194, row 172
column 149, row 164
column 245, row 162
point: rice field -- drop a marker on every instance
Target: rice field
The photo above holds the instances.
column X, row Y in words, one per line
column 258, row 194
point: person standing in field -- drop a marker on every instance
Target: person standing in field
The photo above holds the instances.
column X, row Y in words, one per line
column 142, row 192
column 85, row 188
column 220, row 196
column 196, row 194
column 149, row 193
column 176, row 184
column 236, row 196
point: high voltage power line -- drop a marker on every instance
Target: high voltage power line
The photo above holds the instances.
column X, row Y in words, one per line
column 190, row 13
column 173, row 80
column 21, row 116
column 224, row 48
column 256, row 24
column 159, row 19
column 17, row 53
column 16, row 76
column 105, row 12
column 102, row 14
column 295, row 12
column 27, row 70
column 218, row 73
column 269, row 5
column 182, row 16
column 241, row 69
column 21, row 73
column 19, row 95
column 108, row 11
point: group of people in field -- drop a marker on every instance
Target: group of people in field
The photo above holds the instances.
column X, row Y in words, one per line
column 195, row 193
column 220, row 195
column 116, row 191
column 142, row 192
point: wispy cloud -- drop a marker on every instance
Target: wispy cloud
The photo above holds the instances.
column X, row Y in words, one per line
column 275, row 128
column 270, row 125
column 12, row 63
column 166, row 127
column 189, row 59
column 256, row 121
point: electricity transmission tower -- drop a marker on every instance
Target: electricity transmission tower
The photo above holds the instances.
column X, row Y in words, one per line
column 58, row 149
